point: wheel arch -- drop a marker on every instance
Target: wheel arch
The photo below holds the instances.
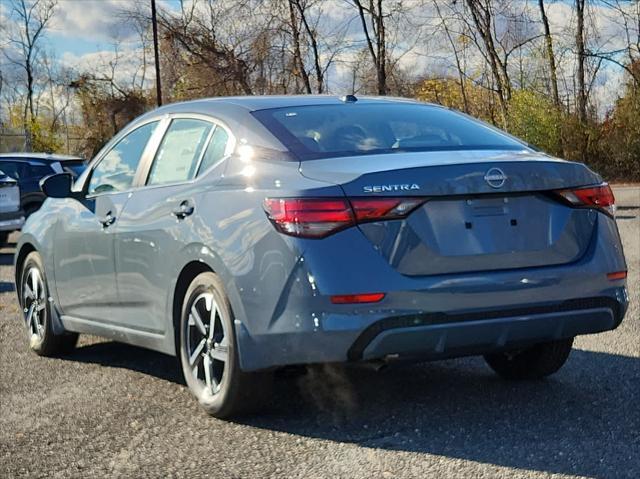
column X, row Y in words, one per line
column 185, row 277
column 204, row 262
column 32, row 206
column 21, row 256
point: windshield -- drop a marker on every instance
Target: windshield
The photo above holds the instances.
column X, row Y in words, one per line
column 323, row 131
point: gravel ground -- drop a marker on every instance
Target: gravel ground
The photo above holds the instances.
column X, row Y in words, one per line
column 119, row 411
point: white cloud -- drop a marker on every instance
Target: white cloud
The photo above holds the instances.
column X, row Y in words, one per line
column 94, row 20
column 125, row 66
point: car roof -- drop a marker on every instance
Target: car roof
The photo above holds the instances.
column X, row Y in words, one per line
column 47, row 157
column 265, row 102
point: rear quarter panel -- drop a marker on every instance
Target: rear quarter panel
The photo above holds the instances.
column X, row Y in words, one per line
column 233, row 236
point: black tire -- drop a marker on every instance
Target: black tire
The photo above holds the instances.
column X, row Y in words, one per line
column 228, row 391
column 36, row 308
column 534, row 362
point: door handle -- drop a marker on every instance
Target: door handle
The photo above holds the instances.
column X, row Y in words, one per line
column 185, row 209
column 108, row 220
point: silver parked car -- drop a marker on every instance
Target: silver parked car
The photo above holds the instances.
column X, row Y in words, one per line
column 246, row 234
column 11, row 214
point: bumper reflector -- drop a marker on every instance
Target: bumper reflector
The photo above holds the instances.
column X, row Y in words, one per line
column 617, row 275
column 357, row 298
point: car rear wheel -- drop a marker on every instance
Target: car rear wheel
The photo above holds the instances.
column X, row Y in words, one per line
column 209, row 354
column 36, row 308
column 532, row 363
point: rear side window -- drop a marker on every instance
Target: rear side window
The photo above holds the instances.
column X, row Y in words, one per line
column 323, row 131
column 180, row 151
column 13, row 169
column 215, row 150
column 39, row 171
column 117, row 169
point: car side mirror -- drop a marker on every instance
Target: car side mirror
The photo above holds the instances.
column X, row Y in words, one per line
column 57, row 186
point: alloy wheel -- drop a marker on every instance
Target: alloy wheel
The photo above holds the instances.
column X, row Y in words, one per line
column 34, row 300
column 206, row 343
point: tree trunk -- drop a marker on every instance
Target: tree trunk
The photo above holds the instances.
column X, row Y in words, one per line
column 382, row 51
column 553, row 72
column 297, row 51
column 29, row 113
column 481, row 14
column 580, row 49
column 461, row 77
column 314, row 46
column 379, row 53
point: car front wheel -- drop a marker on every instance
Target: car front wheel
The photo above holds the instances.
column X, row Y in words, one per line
column 36, row 308
column 534, row 362
column 209, row 354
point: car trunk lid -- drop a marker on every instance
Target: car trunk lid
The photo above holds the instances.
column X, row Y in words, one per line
column 483, row 211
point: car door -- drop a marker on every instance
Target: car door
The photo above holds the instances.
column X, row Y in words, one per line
column 159, row 218
column 84, row 260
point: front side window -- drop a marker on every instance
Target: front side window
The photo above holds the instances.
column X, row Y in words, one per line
column 324, row 131
column 117, row 169
column 181, row 148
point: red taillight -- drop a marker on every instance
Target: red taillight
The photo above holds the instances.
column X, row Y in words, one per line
column 309, row 217
column 600, row 197
column 617, row 275
column 319, row 217
column 371, row 209
column 357, row 298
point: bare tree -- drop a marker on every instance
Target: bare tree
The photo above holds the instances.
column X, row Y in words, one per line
column 301, row 8
column 628, row 15
column 32, row 18
column 456, row 55
column 581, row 92
column 294, row 26
column 482, row 16
column 373, row 19
column 551, row 57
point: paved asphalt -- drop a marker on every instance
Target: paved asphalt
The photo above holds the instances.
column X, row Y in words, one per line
column 111, row 410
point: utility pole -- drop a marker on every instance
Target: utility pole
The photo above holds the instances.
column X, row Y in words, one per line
column 156, row 54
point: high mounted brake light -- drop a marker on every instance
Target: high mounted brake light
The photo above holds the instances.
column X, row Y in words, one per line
column 599, row 197
column 320, row 217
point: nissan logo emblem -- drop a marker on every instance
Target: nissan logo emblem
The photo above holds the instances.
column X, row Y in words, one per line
column 495, row 178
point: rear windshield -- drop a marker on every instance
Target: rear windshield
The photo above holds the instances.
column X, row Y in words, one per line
column 323, row 131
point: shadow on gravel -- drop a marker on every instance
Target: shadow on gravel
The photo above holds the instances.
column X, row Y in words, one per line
column 118, row 355
column 584, row 420
column 7, row 287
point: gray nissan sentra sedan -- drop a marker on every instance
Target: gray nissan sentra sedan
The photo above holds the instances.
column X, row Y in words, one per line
column 246, row 234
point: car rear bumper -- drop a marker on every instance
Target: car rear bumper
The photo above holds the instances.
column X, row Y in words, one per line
column 478, row 336
column 433, row 335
